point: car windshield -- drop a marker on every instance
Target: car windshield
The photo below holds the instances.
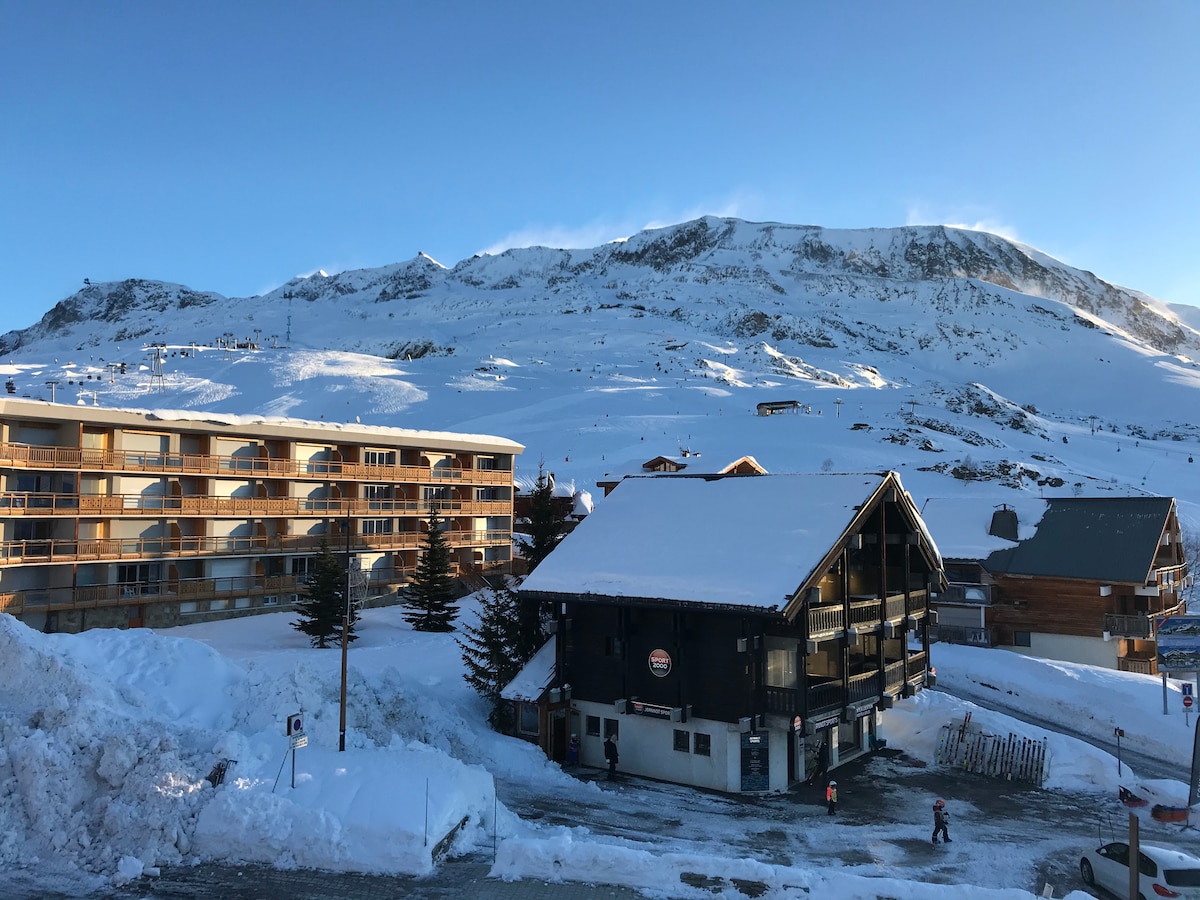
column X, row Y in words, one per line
column 1182, row 877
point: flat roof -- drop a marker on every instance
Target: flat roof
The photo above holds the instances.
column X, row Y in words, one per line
column 258, row 426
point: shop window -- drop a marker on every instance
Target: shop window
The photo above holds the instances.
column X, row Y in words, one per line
column 683, row 741
column 529, row 718
column 703, row 744
column 1022, row 639
column 612, row 727
column 593, row 726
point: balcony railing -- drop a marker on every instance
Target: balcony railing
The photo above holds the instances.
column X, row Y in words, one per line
column 114, row 549
column 14, row 504
column 963, row 634
column 1140, row 665
column 1128, row 626
column 197, row 589
column 961, row 592
column 25, row 456
column 864, row 613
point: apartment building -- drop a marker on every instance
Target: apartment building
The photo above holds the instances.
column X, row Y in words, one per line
column 112, row 518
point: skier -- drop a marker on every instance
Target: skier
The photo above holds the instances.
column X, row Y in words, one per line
column 610, row 754
column 941, row 819
column 831, row 797
column 573, row 751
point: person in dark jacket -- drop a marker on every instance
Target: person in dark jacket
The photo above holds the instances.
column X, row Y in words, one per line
column 822, row 763
column 610, row 754
column 941, row 819
column 573, row 751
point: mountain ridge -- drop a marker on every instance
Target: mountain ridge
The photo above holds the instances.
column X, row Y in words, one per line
column 957, row 357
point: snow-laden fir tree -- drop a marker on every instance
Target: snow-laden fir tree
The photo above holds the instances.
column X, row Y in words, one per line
column 322, row 605
column 488, row 651
column 546, row 525
column 431, row 593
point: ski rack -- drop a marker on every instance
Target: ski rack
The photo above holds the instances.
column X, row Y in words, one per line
column 1011, row 757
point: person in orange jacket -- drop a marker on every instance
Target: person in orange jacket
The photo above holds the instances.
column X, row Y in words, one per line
column 831, row 797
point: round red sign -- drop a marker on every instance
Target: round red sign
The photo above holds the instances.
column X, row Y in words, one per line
column 660, row 662
column 1187, row 701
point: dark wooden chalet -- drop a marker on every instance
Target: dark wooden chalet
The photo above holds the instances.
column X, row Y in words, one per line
column 1076, row 579
column 724, row 626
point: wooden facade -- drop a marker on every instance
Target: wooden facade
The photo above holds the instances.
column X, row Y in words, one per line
column 1081, row 595
column 686, row 684
column 112, row 518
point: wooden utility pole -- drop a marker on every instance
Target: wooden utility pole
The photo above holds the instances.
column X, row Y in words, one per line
column 345, row 642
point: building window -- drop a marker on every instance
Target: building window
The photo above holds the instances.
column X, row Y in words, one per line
column 529, row 718
column 703, row 744
column 377, row 526
column 593, row 726
column 682, row 741
column 241, row 603
column 485, row 463
column 301, row 566
column 216, row 605
column 1022, row 639
column 187, row 606
column 612, row 646
column 379, row 457
column 435, row 493
column 612, row 728
column 781, row 669
column 271, row 600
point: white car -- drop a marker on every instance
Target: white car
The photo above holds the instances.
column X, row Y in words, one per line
column 1163, row 872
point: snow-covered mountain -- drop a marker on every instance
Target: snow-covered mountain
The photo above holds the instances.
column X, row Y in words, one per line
column 955, row 354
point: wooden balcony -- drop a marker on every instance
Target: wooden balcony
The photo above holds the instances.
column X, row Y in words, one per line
column 196, row 589
column 36, row 505
column 72, row 459
column 864, row 613
column 1142, row 665
column 833, row 693
column 1129, row 626
column 961, row 634
column 120, row 549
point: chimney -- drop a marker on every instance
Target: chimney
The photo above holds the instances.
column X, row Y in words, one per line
column 1004, row 524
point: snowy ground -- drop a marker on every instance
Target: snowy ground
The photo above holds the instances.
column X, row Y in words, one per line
column 106, row 736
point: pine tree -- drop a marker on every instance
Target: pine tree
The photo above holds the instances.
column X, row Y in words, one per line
column 546, row 525
column 431, row 593
column 323, row 609
column 487, row 652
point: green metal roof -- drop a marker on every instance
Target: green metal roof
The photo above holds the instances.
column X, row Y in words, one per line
column 1100, row 539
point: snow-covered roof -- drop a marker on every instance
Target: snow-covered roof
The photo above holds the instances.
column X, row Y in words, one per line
column 534, row 678
column 732, row 541
column 960, row 525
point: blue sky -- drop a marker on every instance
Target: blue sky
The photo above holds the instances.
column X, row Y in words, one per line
column 231, row 146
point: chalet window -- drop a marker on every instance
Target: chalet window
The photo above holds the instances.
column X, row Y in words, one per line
column 593, row 726
column 435, row 493
column 486, row 463
column 781, row 669
column 1022, row 639
column 377, row 526
column 379, row 457
column 683, row 741
column 703, row 744
column 529, row 718
column 612, row 727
